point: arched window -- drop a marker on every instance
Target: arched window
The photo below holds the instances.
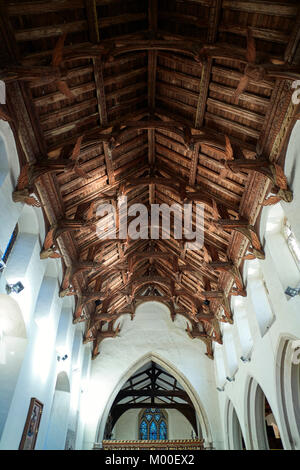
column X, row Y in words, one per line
column 4, row 256
column 292, row 242
column 4, row 166
column 153, row 425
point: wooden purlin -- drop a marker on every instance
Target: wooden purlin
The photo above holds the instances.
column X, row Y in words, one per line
column 265, row 8
column 34, row 8
column 293, row 42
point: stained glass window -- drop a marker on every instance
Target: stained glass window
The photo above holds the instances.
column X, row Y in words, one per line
column 153, row 425
column 153, row 431
column 143, row 431
column 162, row 430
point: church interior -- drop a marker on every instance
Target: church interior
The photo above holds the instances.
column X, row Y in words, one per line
column 116, row 333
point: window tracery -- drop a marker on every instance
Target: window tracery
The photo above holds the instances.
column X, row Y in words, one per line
column 153, row 425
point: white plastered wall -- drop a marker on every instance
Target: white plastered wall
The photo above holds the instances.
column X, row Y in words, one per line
column 151, row 336
column 33, row 368
column 276, row 272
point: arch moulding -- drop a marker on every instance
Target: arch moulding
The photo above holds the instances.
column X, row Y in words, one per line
column 171, row 369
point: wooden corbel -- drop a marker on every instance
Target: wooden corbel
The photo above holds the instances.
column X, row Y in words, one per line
column 83, row 299
column 194, row 332
column 243, row 227
column 261, row 165
column 66, row 287
column 223, row 302
column 270, row 170
column 204, row 337
column 101, row 335
column 90, row 331
column 209, row 350
column 64, row 225
column 232, row 269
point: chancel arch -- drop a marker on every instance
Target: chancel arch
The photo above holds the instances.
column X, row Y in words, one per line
column 154, row 392
column 203, row 430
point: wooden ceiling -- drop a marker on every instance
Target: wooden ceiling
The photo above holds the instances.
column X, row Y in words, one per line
column 111, row 97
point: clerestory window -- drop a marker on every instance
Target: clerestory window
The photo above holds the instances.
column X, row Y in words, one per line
column 292, row 242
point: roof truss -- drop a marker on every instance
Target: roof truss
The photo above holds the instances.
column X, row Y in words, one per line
column 166, row 102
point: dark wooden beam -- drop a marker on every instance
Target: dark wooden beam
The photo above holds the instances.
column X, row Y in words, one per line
column 228, row 92
column 155, row 393
column 34, row 34
column 214, row 19
column 265, row 8
column 226, row 72
column 272, row 35
column 105, row 22
column 91, row 10
column 182, row 18
column 187, row 410
column 293, row 43
column 42, row 7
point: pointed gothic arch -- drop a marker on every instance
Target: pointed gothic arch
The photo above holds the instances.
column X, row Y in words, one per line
column 258, row 410
column 204, row 431
column 233, row 430
column 288, row 389
column 58, row 422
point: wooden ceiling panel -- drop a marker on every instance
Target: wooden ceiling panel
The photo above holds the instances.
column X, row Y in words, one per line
column 119, row 18
column 186, row 19
column 141, row 99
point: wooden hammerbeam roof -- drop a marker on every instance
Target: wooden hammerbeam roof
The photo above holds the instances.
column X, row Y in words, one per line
column 166, row 102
